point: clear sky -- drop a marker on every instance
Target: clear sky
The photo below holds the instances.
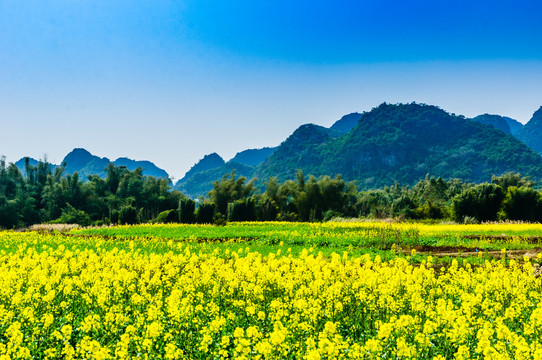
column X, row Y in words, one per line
column 170, row 81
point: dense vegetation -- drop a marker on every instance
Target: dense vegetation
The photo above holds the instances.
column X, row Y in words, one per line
column 334, row 290
column 390, row 143
column 403, row 143
column 127, row 197
column 44, row 195
column 531, row 133
column 503, row 123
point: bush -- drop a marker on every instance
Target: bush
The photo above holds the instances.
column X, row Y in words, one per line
column 481, row 202
column 205, row 213
column 242, row 210
column 187, row 208
column 523, row 203
column 71, row 215
column 114, row 216
column 167, row 216
column 128, row 215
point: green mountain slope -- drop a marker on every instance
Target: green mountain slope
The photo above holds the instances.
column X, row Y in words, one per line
column 149, row 169
column 346, row 123
column 497, row 121
column 86, row 164
column 531, row 133
column 403, row 143
column 200, row 183
column 299, row 150
column 208, row 162
column 503, row 123
column 253, row 157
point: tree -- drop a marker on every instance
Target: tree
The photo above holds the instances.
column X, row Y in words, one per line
column 205, row 213
column 187, row 208
column 128, row 215
column 481, row 202
column 512, row 179
column 523, row 203
column 230, row 189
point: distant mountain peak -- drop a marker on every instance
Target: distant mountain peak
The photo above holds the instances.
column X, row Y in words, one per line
column 537, row 114
column 149, row 168
column 402, row 142
column 253, row 157
column 85, row 164
column 531, row 133
column 347, row 122
column 208, row 162
column 497, row 121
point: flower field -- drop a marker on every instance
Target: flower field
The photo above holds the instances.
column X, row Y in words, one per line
column 161, row 292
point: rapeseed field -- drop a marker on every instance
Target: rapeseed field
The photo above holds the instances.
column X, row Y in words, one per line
column 137, row 295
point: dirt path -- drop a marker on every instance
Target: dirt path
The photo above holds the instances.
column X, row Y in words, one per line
column 461, row 251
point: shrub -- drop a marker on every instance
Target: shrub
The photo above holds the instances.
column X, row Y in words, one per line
column 71, row 215
column 187, row 208
column 128, row 215
column 167, row 216
column 481, row 202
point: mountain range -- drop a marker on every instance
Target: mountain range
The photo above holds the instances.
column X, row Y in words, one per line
column 86, row 164
column 399, row 142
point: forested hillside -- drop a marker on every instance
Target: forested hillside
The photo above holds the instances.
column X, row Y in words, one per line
column 531, row 133
column 403, row 143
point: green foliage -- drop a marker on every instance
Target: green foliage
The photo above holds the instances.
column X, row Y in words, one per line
column 71, row 215
column 205, row 213
column 128, row 215
column 128, row 197
column 512, row 179
column 523, row 204
column 242, row 210
column 230, row 189
column 481, row 202
column 187, row 209
column 403, row 143
column 167, row 216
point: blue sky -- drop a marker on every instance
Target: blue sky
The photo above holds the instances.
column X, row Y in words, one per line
column 171, row 81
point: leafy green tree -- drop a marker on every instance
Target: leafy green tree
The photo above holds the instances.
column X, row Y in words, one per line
column 205, row 213
column 267, row 209
column 242, row 210
column 128, row 215
column 187, row 208
column 512, row 179
column 481, row 202
column 167, row 216
column 230, row 189
column 71, row 215
column 522, row 203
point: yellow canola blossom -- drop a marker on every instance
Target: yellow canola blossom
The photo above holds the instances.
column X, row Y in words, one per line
column 71, row 301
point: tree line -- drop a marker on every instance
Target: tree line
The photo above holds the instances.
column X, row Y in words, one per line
column 41, row 195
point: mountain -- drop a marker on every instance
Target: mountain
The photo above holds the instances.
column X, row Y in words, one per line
column 253, row 157
column 531, row 133
column 200, row 183
column 503, row 123
column 403, row 143
column 208, row 162
column 515, row 126
column 299, row 150
column 86, row 164
column 346, row 123
column 498, row 122
column 149, row 169
column 21, row 164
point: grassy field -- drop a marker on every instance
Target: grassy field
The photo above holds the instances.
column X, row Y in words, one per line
column 273, row 291
column 357, row 238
